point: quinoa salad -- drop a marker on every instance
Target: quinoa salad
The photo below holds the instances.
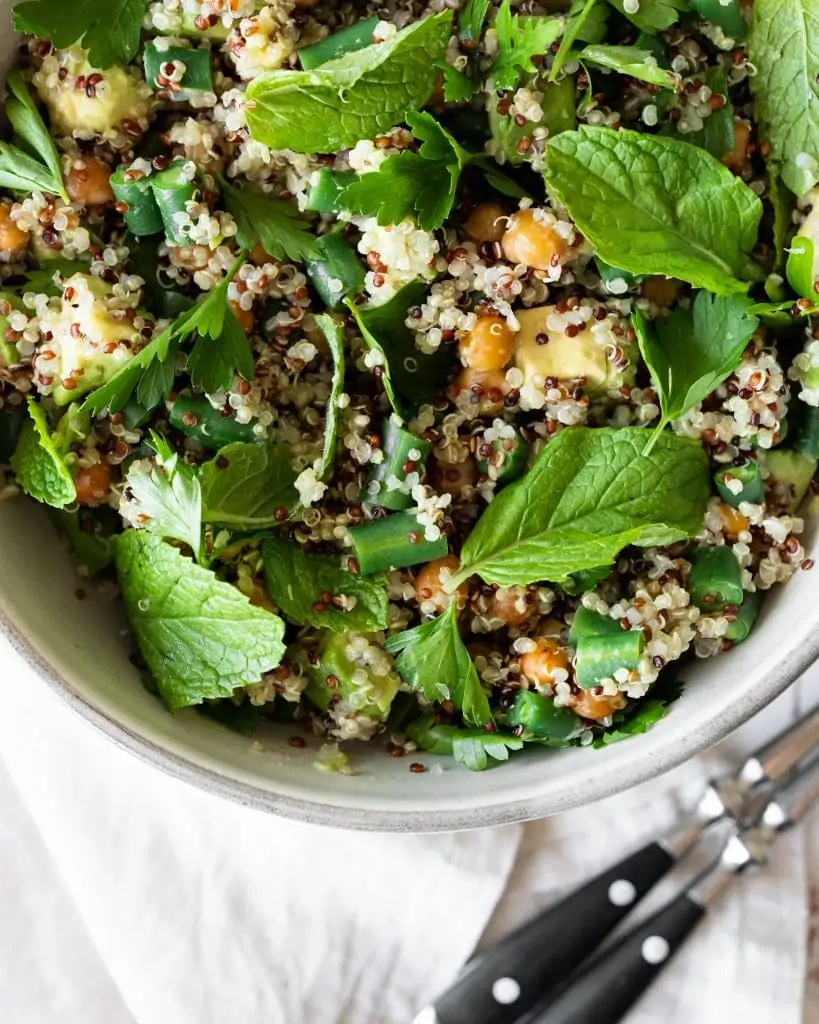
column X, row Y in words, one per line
column 441, row 375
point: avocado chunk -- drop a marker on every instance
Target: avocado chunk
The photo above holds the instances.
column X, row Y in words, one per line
column 790, row 469
column 90, row 342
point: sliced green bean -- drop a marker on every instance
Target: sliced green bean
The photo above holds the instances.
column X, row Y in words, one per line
column 404, row 453
column 599, row 657
column 587, row 623
column 172, row 189
column 739, row 629
column 716, row 579
column 346, row 40
column 748, row 476
column 325, row 189
column 338, row 273
column 197, row 77
column 141, row 214
column 806, row 438
column 394, row 542
column 508, row 459
column 197, row 418
column 538, row 715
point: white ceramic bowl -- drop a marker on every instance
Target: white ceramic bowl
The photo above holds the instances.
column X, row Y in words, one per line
column 79, row 650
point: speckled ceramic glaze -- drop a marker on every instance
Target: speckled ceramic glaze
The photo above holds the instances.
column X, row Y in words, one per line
column 78, row 649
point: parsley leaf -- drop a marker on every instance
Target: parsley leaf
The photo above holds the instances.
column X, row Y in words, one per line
column 590, row 493
column 201, row 638
column 644, row 715
column 108, row 31
column 167, row 497
column 580, row 13
column 471, row 20
column 458, row 87
column 334, row 334
column 469, row 747
column 652, row 205
column 354, row 97
column 25, row 119
column 653, row 16
column 633, row 62
column 519, row 40
column 784, row 48
column 434, row 660
column 273, row 223
column 692, row 351
column 244, row 485
column 296, row 581
column 38, row 465
column 151, row 372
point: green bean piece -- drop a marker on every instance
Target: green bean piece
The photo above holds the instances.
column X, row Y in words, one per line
column 739, row 629
column 508, row 458
column 716, row 579
column 347, row 40
column 748, row 475
column 141, row 214
column 587, row 623
column 172, row 189
column 338, row 273
column 197, row 418
column 334, row 674
column 325, row 188
column 394, row 542
column 806, row 438
column 404, row 453
column 198, row 75
column 599, row 657
column 538, row 715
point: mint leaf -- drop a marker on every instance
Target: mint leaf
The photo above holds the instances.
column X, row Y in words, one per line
column 470, row 747
column 334, row 334
column 434, row 660
column 692, row 351
column 165, row 497
column 784, row 48
column 352, row 98
column 583, row 16
column 653, row 16
column 590, row 493
column 471, row 20
column 653, row 205
column 297, row 580
column 109, row 31
column 245, row 484
column 38, row 466
column 200, row 638
column 25, row 119
column 519, row 40
column 631, row 61
column 273, row 223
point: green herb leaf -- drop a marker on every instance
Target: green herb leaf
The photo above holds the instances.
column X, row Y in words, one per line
column 200, row 638
column 296, row 581
column 471, row 20
column 653, row 15
column 352, row 98
column 519, row 40
column 273, row 223
column 631, row 61
column 591, row 493
column 644, row 715
column 108, row 31
column 582, row 15
column 434, row 660
column 559, row 105
column 458, row 87
column 219, row 354
column 653, row 205
column 799, row 268
column 25, row 119
column 244, row 485
column 20, row 172
column 334, row 334
column 38, row 466
column 717, row 133
column 168, row 495
column 725, row 13
column 692, row 351
column 784, row 49
column 470, row 747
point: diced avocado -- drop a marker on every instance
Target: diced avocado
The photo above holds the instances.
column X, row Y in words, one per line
column 8, row 350
column 566, row 358
column 343, row 670
column 113, row 99
column 87, row 338
column 793, row 469
column 558, row 105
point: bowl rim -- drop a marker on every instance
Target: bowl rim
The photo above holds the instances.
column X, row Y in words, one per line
column 649, row 759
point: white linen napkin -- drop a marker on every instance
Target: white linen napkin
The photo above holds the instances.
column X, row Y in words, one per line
column 127, row 897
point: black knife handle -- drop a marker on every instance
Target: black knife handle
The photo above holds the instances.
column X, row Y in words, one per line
column 605, row 990
column 500, row 985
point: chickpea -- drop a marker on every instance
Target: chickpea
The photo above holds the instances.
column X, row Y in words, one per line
column 539, row 666
column 487, row 223
column 429, row 583
column 489, row 345
column 89, row 184
column 487, row 389
column 533, row 242
column 93, row 483
column 662, row 291
column 12, row 239
column 245, row 316
column 552, row 629
column 587, row 705
column 736, row 159
column 260, row 598
column 512, row 605
column 259, row 255
column 455, row 478
column 733, row 521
